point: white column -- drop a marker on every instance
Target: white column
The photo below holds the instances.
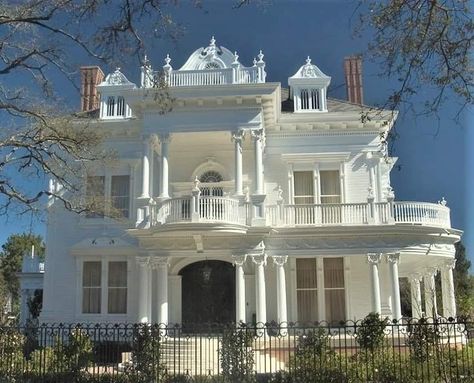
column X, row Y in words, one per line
column 164, row 188
column 282, row 316
column 374, row 259
column 144, row 271
column 447, row 288
column 415, row 292
column 239, row 261
column 260, row 261
column 393, row 260
column 431, row 310
column 258, row 137
column 161, row 265
column 237, row 137
column 146, row 168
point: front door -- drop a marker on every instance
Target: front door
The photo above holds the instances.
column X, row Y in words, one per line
column 208, row 293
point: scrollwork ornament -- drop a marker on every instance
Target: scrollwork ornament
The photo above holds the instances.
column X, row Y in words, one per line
column 374, row 258
column 280, row 260
column 393, row 257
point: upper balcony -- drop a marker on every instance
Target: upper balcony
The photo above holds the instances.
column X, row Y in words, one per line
column 213, row 65
column 227, row 210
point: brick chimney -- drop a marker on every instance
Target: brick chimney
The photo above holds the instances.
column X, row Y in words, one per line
column 91, row 76
column 353, row 74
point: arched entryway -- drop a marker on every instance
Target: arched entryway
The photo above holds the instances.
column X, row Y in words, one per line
column 208, row 292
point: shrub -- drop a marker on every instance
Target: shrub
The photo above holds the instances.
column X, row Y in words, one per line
column 370, row 333
column 237, row 356
column 422, row 339
column 11, row 351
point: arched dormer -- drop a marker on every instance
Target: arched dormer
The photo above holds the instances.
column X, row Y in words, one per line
column 112, row 101
column 308, row 88
column 212, row 57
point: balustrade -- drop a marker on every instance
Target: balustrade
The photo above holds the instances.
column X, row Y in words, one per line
column 229, row 210
column 224, row 76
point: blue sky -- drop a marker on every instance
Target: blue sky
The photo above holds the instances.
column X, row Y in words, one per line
column 434, row 154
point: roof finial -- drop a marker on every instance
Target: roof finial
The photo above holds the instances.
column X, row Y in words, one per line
column 260, row 57
column 236, row 58
column 167, row 59
column 254, row 61
column 308, row 61
column 213, row 41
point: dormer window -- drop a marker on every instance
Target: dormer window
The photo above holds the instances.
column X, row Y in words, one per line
column 112, row 105
column 308, row 88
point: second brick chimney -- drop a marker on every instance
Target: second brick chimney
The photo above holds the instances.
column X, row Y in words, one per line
column 91, row 76
column 353, row 74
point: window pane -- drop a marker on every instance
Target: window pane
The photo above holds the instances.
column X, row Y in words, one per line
column 120, row 193
column 117, row 274
column 91, row 300
column 304, row 187
column 333, row 272
column 306, row 273
column 91, row 274
column 335, row 305
column 117, row 301
column 330, row 186
column 307, row 305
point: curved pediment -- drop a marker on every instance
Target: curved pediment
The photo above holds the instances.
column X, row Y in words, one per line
column 211, row 57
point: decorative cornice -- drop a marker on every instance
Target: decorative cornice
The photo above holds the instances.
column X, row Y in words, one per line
column 374, row 258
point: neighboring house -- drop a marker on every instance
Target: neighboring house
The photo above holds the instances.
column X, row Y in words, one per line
column 246, row 202
column 31, row 283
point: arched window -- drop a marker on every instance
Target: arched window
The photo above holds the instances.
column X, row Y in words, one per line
column 110, row 106
column 211, row 177
column 120, row 106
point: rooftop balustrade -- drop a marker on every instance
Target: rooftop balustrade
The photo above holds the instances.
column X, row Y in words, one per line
column 234, row 211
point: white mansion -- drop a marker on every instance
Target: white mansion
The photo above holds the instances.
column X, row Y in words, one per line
column 245, row 202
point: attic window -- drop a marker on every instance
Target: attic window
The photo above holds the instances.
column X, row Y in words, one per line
column 310, row 99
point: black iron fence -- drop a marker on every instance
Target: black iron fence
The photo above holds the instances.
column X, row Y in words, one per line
column 371, row 350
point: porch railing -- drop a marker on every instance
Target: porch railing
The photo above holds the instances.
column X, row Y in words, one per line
column 411, row 351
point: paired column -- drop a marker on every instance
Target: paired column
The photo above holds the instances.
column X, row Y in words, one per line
column 415, row 291
column 374, row 259
column 280, row 262
column 144, row 290
column 237, row 137
column 261, row 301
column 161, row 265
column 447, row 288
column 258, row 137
column 239, row 261
column 165, row 139
column 147, row 161
column 431, row 310
column 393, row 260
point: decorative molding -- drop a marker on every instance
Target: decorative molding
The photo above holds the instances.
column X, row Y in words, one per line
column 280, row 260
column 316, row 157
column 239, row 259
column 393, row 257
column 374, row 258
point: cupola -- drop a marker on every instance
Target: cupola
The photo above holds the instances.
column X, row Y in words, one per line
column 112, row 101
column 308, row 87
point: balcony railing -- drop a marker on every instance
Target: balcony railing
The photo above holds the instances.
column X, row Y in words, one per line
column 202, row 209
column 414, row 213
column 230, row 210
column 224, row 76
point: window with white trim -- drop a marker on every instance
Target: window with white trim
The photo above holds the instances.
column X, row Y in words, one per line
column 334, row 293
column 120, row 195
column 117, row 288
column 304, row 187
column 113, row 200
column 330, row 186
column 91, row 287
column 307, row 289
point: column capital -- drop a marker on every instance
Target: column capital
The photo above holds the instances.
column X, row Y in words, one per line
column 393, row 258
column 430, row 272
column 237, row 135
column 143, row 261
column 258, row 134
column 448, row 264
column 239, row 259
column 165, row 138
column 260, row 259
column 158, row 262
column 154, row 141
column 415, row 277
column 374, row 258
column 279, row 260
